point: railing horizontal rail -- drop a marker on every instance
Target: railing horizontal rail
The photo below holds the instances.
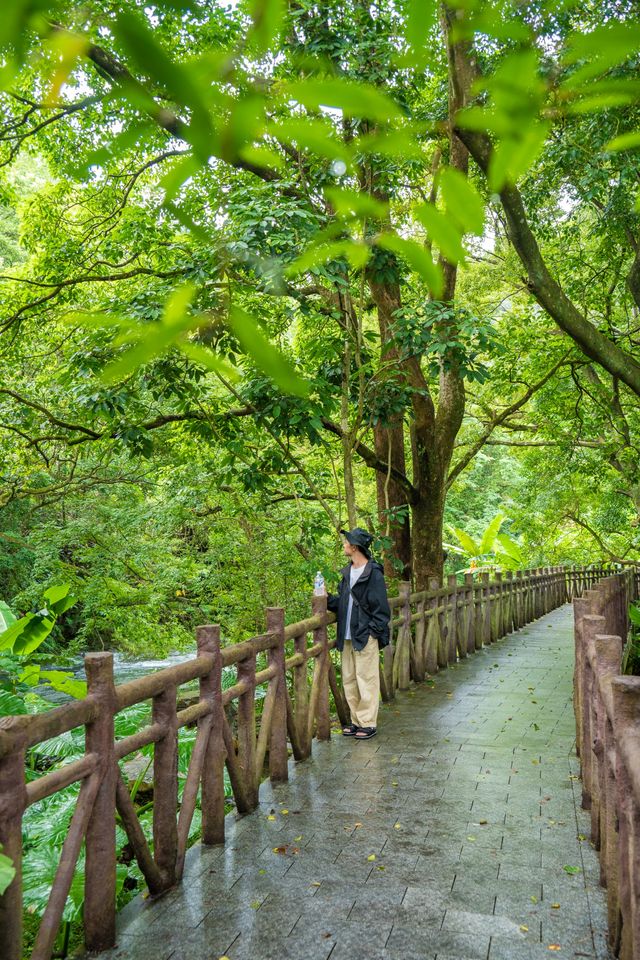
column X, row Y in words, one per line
column 51, row 783
column 136, row 741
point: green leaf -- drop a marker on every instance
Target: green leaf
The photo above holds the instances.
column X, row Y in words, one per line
column 603, row 94
column 354, row 99
column 154, row 339
column 351, row 203
column 67, row 49
column 209, row 360
column 177, row 176
column 136, row 35
column 511, row 158
column 180, row 81
column 187, row 221
column 268, row 17
column 39, row 871
column 34, row 634
column 11, row 705
column 58, row 599
column 261, row 157
column 6, row 616
column 603, row 48
column 485, row 120
column 419, row 21
column 9, row 636
column 266, row 356
column 489, row 535
column 626, row 141
column 397, row 143
column 634, row 614
column 417, row 258
column 117, row 146
column 468, row 544
column 7, row 872
column 510, row 547
column 441, row 231
column 319, row 253
column 310, row 134
column 65, row 682
column 463, row 202
column 490, row 23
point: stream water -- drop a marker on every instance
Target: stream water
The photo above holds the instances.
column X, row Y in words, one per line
column 123, row 670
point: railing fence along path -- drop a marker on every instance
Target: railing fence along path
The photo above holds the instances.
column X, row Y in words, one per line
column 430, row 630
column 607, row 708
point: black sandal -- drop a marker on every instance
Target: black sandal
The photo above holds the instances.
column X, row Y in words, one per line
column 365, row 733
column 350, row 730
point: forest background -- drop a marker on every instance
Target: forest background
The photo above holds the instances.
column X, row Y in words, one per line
column 272, row 269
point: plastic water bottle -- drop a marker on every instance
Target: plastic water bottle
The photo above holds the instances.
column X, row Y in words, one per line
column 318, row 585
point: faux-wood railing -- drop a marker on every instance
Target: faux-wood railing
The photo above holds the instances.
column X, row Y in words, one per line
column 607, row 708
column 430, row 630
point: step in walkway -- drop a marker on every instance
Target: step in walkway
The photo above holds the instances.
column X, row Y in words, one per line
column 456, row 833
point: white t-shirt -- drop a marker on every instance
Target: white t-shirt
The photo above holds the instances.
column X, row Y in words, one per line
column 354, row 576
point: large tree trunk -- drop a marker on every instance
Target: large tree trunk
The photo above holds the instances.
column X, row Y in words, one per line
column 426, row 520
column 390, row 494
column 433, row 439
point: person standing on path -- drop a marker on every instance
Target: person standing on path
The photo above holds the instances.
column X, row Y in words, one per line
column 362, row 609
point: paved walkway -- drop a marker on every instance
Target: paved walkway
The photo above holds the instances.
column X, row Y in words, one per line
column 456, row 833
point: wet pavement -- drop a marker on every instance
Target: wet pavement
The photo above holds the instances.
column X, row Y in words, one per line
column 455, row 833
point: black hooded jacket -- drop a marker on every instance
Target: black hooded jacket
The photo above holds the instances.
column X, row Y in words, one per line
column 370, row 612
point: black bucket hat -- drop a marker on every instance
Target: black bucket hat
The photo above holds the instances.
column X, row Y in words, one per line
column 359, row 538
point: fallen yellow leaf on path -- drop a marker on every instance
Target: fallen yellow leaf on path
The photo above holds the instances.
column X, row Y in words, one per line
column 271, row 817
column 555, row 906
column 372, row 857
column 554, row 946
column 524, row 928
column 284, row 812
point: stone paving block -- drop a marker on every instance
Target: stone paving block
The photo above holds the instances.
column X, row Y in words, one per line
column 481, row 924
column 423, row 937
column 270, row 947
column 127, row 947
column 355, row 952
column 572, row 928
column 506, row 950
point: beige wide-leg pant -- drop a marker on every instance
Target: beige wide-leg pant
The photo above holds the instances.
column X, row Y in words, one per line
column 361, row 682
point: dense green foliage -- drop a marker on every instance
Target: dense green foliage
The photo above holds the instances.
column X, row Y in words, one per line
column 199, row 379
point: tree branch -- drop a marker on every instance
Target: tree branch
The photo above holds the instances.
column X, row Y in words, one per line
column 372, row 460
column 544, row 287
column 500, row 419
